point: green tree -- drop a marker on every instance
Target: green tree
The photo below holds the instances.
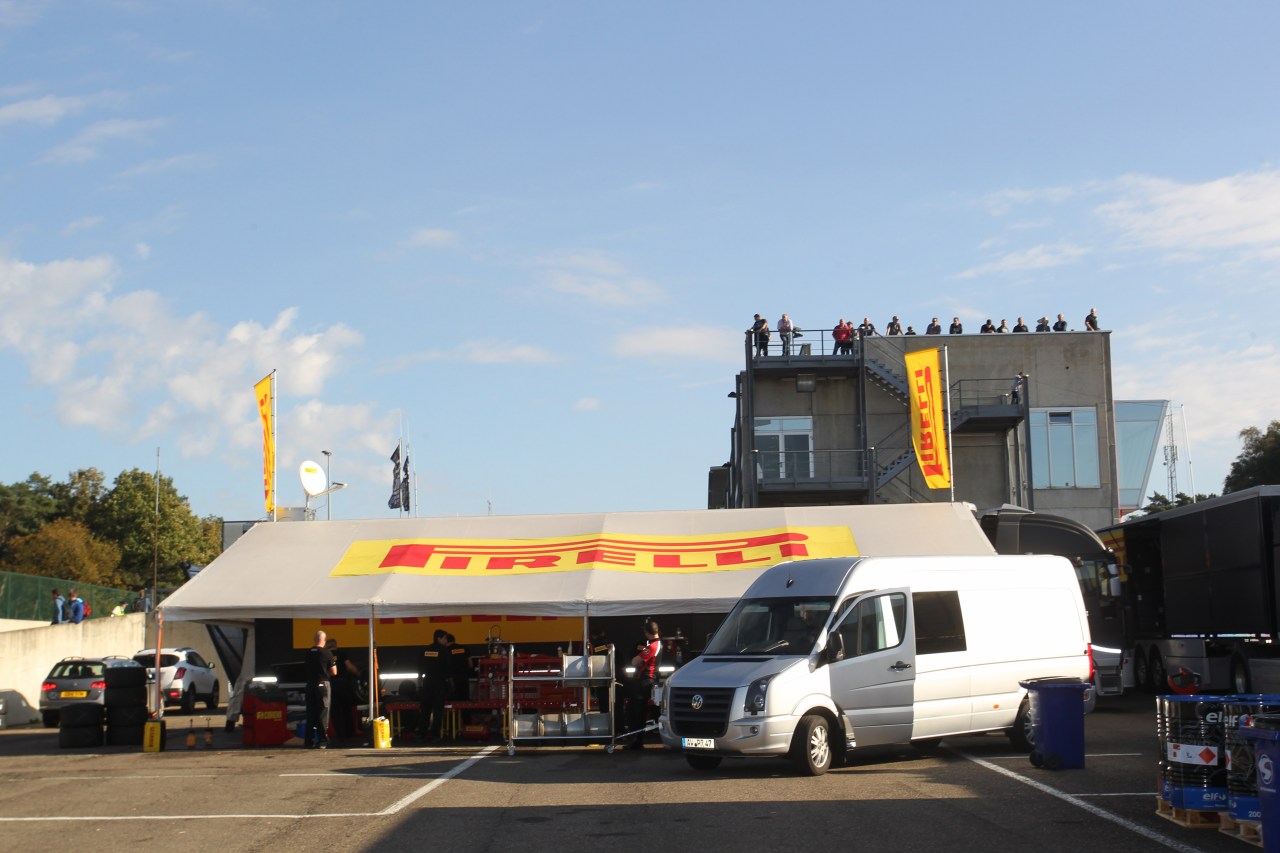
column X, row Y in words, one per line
column 1259, row 462
column 24, row 508
column 127, row 516
column 1160, row 503
column 78, row 497
column 67, row 550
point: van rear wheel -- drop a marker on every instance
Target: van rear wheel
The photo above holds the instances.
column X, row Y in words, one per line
column 811, row 745
column 1022, row 734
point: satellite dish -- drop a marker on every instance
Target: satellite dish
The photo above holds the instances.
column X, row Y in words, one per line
column 313, row 479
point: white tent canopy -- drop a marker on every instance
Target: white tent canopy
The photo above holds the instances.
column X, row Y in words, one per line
column 295, row 569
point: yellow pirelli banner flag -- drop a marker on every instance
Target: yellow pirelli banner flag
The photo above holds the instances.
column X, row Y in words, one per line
column 928, row 417
column 262, row 395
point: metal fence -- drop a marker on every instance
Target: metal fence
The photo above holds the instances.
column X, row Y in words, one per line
column 31, row 596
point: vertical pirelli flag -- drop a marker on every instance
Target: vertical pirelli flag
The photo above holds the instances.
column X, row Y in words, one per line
column 264, row 395
column 928, row 417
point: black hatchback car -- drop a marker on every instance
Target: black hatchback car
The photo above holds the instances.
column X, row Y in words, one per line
column 76, row 680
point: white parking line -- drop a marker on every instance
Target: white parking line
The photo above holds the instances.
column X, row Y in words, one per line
column 394, row 808
column 1074, row 799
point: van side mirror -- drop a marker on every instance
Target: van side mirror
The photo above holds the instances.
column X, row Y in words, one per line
column 835, row 647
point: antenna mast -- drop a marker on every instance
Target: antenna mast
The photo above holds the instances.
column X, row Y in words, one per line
column 1171, row 456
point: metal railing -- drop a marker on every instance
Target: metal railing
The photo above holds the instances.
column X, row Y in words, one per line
column 968, row 393
column 779, row 466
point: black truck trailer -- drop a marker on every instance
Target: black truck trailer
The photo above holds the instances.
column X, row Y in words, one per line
column 1201, row 593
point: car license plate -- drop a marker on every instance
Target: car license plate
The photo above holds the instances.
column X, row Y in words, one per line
column 697, row 743
column 75, row 694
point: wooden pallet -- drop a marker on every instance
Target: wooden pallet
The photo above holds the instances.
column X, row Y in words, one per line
column 1188, row 818
column 1248, row 831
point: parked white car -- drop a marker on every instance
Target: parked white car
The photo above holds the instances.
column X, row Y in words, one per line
column 185, row 677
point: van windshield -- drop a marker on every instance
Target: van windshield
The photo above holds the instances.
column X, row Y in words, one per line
column 773, row 626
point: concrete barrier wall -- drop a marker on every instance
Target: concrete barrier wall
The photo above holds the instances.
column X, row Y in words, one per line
column 27, row 655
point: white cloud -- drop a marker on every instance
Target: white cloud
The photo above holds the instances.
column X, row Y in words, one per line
column 587, row 404
column 129, row 365
column 85, row 145
column 1239, row 211
column 47, row 110
column 1037, row 257
column 432, row 238
column 84, row 223
column 142, row 250
column 179, row 163
column 701, row 343
column 598, row 278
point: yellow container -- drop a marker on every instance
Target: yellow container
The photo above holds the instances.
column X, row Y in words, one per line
column 381, row 733
column 153, row 736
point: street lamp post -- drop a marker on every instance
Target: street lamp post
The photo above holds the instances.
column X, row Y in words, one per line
column 328, row 501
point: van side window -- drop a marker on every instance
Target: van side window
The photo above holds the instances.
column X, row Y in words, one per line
column 939, row 623
column 874, row 624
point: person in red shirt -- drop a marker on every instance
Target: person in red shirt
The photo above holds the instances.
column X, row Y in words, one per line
column 641, row 684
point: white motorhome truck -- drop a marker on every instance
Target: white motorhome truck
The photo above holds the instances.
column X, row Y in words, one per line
column 823, row 656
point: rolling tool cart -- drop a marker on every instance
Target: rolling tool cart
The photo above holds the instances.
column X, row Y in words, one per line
column 549, row 699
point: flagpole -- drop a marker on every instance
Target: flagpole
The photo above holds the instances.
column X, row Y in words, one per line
column 946, row 381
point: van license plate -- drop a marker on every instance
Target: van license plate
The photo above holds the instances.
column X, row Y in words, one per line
column 74, row 694
column 697, row 743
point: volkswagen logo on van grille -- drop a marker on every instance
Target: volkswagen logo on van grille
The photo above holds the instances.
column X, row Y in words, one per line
column 696, row 702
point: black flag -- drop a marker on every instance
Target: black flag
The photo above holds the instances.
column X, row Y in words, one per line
column 404, row 484
column 397, row 484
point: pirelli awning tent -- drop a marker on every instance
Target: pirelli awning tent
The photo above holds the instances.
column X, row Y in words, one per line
column 605, row 564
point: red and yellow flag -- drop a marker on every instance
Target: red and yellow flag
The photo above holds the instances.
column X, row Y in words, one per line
column 262, row 394
column 928, row 419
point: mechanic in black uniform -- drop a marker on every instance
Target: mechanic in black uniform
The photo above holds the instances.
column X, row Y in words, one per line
column 433, row 686
column 459, row 671
column 318, row 666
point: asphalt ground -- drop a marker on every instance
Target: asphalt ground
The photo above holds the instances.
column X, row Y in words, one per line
column 973, row 793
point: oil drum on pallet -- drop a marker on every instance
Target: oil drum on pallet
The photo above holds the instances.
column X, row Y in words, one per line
column 1242, row 782
column 1193, row 766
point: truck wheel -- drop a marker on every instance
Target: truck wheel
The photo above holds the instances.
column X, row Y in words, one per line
column 1141, row 673
column 1022, row 735
column 1157, row 677
column 811, row 745
column 703, row 762
column 1241, row 682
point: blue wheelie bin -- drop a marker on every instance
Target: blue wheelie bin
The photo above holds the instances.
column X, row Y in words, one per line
column 1264, row 733
column 1057, row 721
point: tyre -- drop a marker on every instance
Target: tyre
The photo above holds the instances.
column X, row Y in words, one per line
column 125, row 697
column 81, row 715
column 811, row 745
column 189, row 701
column 79, row 737
column 124, row 735
column 1241, row 680
column 1157, row 677
column 50, row 719
column 127, row 716
column 1141, row 672
column 125, row 676
column 212, row 701
column 1022, row 734
column 703, row 762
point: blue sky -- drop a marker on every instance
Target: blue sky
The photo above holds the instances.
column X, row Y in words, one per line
column 530, row 234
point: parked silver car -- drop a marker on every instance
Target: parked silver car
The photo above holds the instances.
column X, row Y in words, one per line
column 76, row 680
column 185, row 677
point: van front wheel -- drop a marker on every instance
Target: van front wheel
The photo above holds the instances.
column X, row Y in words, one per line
column 811, row 746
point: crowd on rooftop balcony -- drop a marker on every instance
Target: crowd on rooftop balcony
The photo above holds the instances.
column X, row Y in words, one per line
column 845, row 332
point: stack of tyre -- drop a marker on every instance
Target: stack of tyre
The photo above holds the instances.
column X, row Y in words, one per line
column 80, row 725
column 126, row 705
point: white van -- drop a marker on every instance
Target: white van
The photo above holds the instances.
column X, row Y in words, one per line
column 822, row 656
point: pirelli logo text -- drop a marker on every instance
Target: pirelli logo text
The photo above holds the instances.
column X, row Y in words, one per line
column 753, row 549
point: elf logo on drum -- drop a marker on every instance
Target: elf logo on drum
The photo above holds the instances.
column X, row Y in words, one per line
column 1266, row 771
